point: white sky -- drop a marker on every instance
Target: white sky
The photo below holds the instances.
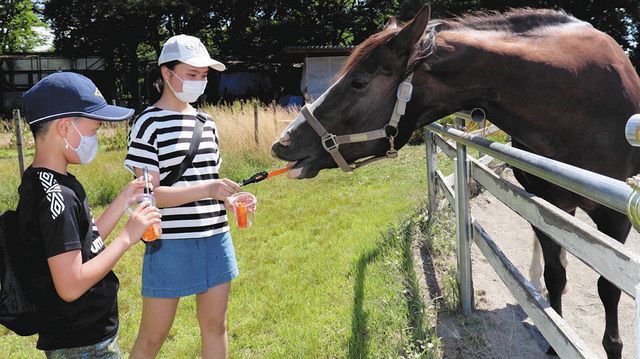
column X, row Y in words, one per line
column 48, row 35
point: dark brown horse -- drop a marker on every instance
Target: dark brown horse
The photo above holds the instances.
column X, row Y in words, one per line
column 559, row 87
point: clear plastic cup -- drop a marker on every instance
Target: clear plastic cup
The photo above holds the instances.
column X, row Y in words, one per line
column 152, row 232
column 243, row 206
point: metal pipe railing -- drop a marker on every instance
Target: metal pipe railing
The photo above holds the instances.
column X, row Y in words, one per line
column 476, row 115
column 610, row 192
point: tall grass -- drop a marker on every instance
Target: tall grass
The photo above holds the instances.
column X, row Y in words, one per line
column 236, row 125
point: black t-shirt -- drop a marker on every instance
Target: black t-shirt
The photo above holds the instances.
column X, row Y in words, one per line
column 54, row 218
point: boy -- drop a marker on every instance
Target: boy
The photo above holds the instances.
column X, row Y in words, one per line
column 67, row 271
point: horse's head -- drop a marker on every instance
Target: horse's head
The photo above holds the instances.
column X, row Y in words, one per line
column 358, row 108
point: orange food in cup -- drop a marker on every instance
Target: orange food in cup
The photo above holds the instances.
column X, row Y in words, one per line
column 151, row 234
column 241, row 213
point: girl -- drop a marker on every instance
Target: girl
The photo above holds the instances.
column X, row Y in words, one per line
column 194, row 254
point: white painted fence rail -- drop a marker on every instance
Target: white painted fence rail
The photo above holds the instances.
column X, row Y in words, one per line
column 602, row 253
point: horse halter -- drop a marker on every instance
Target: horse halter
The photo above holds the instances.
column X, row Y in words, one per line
column 331, row 142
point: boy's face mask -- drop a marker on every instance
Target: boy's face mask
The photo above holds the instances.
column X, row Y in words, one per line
column 88, row 147
column 191, row 90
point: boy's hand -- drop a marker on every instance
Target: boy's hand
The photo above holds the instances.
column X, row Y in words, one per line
column 133, row 188
column 222, row 188
column 144, row 216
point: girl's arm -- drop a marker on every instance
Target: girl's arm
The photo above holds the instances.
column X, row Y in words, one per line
column 175, row 196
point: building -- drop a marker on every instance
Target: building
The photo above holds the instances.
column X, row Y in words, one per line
column 320, row 65
column 20, row 71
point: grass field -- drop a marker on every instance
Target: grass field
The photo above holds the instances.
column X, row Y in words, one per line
column 326, row 269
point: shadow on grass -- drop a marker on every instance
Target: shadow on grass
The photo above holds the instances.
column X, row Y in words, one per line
column 359, row 340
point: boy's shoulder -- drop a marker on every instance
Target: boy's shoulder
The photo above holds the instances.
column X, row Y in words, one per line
column 39, row 184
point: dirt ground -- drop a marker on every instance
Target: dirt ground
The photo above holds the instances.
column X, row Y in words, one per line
column 499, row 327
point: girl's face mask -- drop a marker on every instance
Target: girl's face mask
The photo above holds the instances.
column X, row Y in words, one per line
column 88, row 147
column 191, row 90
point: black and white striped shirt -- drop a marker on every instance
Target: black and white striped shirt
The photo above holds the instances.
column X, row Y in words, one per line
column 159, row 140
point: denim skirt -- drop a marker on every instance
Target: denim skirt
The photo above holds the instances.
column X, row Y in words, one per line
column 174, row 268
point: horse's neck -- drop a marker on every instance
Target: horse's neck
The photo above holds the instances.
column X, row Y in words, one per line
column 541, row 92
column 533, row 81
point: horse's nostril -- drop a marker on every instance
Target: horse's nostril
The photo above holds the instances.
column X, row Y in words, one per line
column 285, row 140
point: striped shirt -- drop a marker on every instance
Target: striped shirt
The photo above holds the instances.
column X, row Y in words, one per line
column 160, row 140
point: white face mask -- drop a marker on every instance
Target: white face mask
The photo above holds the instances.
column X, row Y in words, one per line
column 88, row 147
column 191, row 90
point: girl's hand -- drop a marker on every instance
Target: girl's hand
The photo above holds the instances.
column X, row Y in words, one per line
column 222, row 188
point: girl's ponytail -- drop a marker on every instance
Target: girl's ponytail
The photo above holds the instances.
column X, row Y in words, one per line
column 154, row 83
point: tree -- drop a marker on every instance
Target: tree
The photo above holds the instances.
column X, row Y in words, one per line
column 17, row 23
column 130, row 33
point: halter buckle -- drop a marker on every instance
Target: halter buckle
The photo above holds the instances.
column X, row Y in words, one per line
column 390, row 130
column 392, row 152
column 404, row 91
column 330, row 147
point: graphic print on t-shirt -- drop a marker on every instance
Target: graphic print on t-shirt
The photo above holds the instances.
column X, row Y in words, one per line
column 97, row 245
column 54, row 193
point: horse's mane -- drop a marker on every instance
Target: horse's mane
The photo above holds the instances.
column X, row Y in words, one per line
column 516, row 21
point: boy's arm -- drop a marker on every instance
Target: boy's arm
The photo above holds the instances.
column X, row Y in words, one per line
column 72, row 278
column 107, row 221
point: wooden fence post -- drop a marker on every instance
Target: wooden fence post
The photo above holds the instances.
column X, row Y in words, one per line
column 275, row 116
column 637, row 329
column 18, row 120
column 463, row 227
column 255, row 120
column 429, row 142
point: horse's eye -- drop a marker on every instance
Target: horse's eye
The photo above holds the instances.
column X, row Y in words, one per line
column 358, row 84
column 386, row 70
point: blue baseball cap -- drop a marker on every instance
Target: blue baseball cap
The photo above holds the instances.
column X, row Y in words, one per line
column 68, row 94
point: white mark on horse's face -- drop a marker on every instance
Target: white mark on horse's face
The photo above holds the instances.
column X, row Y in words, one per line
column 285, row 138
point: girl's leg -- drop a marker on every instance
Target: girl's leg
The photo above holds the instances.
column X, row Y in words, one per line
column 157, row 318
column 212, row 317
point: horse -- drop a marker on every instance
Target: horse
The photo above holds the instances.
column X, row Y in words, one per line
column 559, row 87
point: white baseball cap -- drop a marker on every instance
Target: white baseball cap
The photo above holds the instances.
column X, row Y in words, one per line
column 189, row 50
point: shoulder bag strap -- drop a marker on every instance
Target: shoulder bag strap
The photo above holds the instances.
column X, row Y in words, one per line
column 178, row 171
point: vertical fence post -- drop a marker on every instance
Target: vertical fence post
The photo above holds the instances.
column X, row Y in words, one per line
column 429, row 143
column 637, row 333
column 463, row 227
column 18, row 120
column 255, row 119
column 275, row 116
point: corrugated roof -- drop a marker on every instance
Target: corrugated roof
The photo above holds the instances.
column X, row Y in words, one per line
column 329, row 50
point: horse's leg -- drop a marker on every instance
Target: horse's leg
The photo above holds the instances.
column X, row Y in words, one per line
column 554, row 273
column 617, row 226
column 535, row 268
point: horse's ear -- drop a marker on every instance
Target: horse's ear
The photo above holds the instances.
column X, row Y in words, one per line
column 413, row 31
column 391, row 24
